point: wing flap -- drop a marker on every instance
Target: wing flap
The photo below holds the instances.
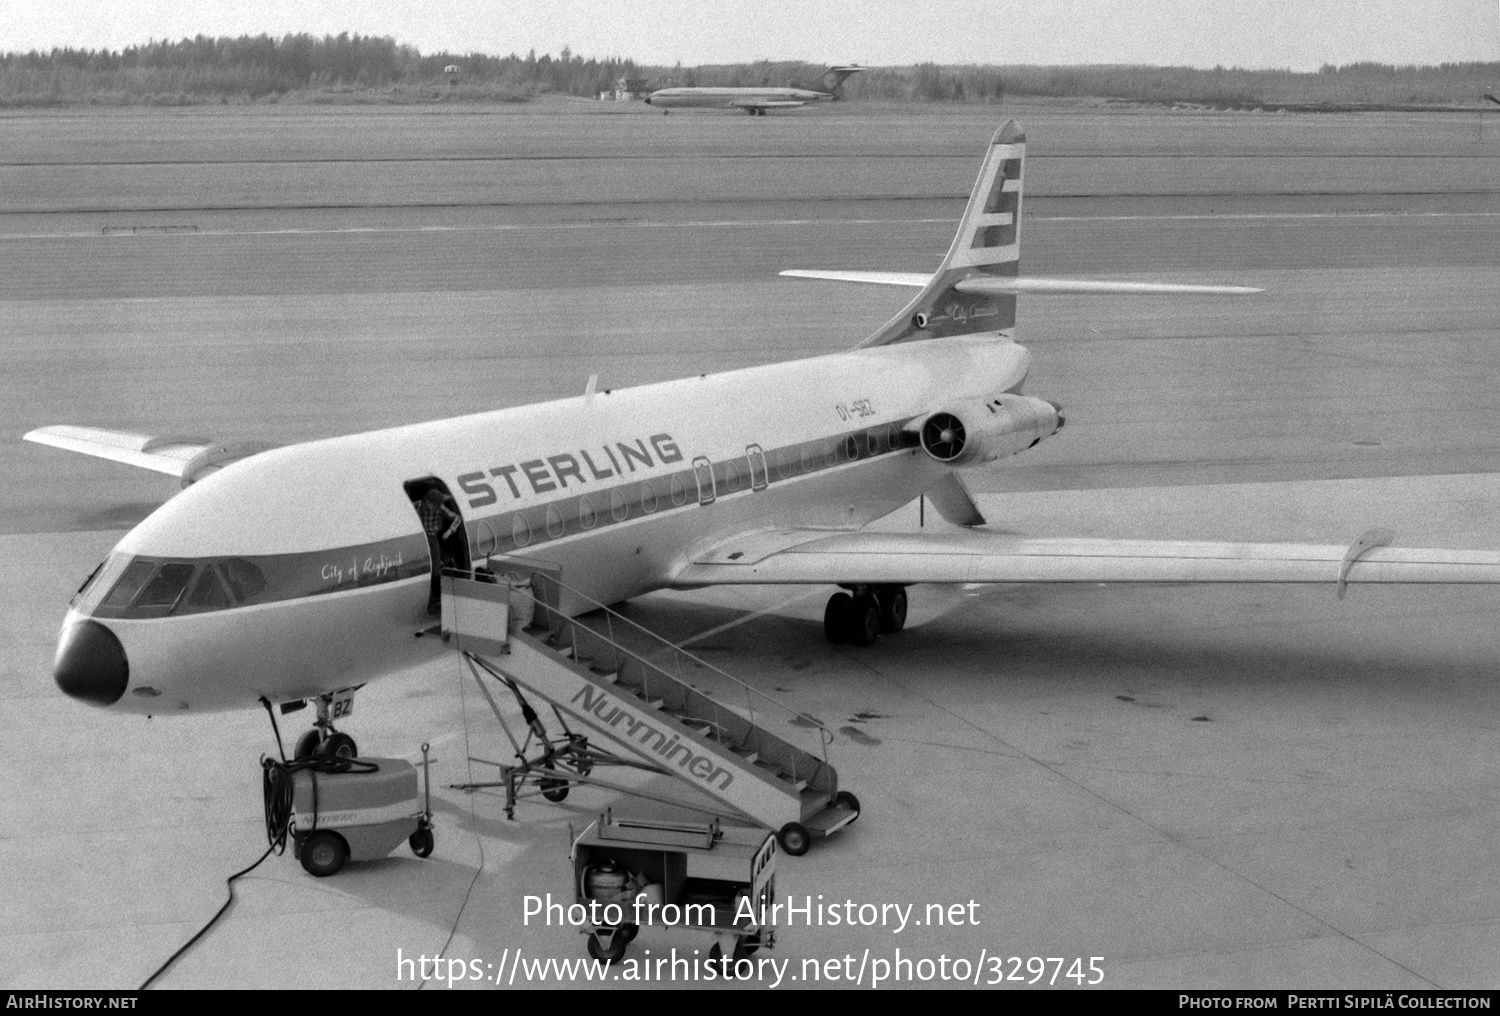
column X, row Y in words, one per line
column 974, row 556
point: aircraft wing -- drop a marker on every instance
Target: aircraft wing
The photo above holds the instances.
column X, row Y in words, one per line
column 767, row 104
column 187, row 458
column 977, row 555
column 997, row 285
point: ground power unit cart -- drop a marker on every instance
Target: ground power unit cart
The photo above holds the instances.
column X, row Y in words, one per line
column 704, row 877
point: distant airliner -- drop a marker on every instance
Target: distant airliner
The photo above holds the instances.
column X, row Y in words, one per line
column 302, row 572
column 755, row 101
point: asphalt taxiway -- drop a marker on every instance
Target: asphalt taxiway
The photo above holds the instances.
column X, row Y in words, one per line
column 1226, row 787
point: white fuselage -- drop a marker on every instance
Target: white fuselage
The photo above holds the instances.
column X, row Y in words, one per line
column 327, row 569
column 732, row 98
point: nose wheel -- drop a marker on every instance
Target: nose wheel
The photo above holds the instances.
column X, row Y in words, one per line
column 323, row 740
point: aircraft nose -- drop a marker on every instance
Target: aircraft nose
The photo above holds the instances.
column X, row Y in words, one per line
column 90, row 664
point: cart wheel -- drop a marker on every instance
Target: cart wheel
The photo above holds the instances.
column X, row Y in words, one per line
column 628, row 932
column 715, row 954
column 847, row 800
column 323, row 854
column 554, row 790
column 794, row 838
column 338, row 746
column 612, row 953
column 421, row 842
column 307, row 745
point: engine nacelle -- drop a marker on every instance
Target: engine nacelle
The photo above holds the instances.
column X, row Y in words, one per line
column 973, row 432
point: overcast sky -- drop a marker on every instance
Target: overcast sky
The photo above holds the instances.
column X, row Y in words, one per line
column 1300, row 34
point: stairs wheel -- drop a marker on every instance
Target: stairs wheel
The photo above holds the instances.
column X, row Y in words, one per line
column 847, row 800
column 794, row 838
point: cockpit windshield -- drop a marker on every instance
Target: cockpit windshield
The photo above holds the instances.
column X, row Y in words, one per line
column 145, row 587
column 129, row 586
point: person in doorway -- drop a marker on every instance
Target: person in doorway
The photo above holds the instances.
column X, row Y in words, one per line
column 439, row 522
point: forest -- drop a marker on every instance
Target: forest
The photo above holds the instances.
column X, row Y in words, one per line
column 378, row 69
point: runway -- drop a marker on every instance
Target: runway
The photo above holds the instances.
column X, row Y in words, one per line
column 1223, row 788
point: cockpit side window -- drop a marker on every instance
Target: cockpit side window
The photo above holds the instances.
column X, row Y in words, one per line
column 167, row 587
column 245, row 581
column 100, row 582
column 130, row 583
column 208, row 594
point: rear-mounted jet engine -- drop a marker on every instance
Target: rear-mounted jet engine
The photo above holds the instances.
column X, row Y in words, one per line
column 972, row 432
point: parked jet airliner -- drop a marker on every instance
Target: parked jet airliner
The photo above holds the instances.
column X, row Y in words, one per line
column 755, row 101
column 234, row 591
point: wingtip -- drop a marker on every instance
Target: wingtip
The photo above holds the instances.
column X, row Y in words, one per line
column 1010, row 133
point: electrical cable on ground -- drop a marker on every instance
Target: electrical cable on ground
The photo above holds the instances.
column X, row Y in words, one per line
column 276, row 790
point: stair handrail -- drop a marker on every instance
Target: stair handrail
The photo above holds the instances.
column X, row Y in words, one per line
column 826, row 736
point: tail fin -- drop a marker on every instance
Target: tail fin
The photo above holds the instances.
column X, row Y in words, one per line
column 830, row 81
column 986, row 246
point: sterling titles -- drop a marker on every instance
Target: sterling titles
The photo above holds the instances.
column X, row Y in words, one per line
column 589, row 465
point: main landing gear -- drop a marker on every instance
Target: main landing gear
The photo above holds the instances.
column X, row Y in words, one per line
column 323, row 740
column 863, row 614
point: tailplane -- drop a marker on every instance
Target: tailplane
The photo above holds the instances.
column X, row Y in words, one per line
column 974, row 290
column 830, row 81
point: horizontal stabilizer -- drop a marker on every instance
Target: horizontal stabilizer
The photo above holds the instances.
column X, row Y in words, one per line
column 990, row 285
column 914, row 279
column 187, row 458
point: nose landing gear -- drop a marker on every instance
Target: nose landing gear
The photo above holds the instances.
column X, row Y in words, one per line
column 323, row 740
column 864, row 616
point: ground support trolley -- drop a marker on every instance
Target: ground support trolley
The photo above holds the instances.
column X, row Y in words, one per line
column 705, row 877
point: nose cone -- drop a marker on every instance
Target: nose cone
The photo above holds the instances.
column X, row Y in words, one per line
column 90, row 664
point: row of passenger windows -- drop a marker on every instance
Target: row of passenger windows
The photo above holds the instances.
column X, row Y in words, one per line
column 703, row 485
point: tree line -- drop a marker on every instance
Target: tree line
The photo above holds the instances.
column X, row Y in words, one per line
column 377, row 68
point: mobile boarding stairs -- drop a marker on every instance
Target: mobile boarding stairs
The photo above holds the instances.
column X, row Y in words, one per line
column 639, row 709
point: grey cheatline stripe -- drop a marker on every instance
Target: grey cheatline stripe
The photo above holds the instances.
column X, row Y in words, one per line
column 602, row 507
